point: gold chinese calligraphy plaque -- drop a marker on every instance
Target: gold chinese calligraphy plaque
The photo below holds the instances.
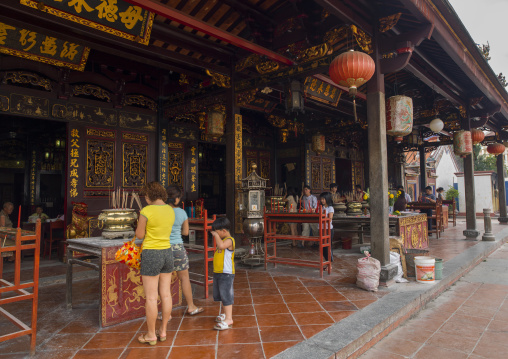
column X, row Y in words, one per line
column 100, row 164
column 134, row 164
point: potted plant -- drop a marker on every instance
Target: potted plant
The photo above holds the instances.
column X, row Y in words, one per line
column 450, row 194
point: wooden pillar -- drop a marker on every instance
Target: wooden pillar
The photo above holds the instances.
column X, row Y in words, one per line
column 378, row 170
column 471, row 232
column 423, row 170
column 503, row 217
column 234, row 152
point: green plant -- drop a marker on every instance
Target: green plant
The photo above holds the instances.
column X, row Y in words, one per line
column 451, row 193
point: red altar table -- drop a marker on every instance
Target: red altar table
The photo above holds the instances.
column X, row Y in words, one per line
column 122, row 296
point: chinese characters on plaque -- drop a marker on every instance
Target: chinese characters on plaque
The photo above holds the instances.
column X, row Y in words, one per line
column 321, row 91
column 164, row 158
column 35, row 46
column 193, row 169
column 33, row 169
column 116, row 17
column 73, row 165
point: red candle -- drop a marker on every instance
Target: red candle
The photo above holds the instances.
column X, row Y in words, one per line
column 19, row 216
column 183, row 205
column 291, row 208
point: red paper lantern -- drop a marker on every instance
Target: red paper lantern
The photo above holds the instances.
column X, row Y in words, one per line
column 477, row 136
column 352, row 69
column 495, row 148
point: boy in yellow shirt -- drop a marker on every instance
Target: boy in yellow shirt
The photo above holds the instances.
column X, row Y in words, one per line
column 223, row 271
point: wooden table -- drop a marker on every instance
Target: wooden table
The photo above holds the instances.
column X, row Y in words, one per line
column 122, row 295
column 412, row 228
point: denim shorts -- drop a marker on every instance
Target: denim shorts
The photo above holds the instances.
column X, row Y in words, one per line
column 156, row 261
column 223, row 288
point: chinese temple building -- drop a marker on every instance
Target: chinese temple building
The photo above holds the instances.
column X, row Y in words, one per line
column 98, row 95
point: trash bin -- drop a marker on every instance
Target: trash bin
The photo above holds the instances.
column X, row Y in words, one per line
column 410, row 259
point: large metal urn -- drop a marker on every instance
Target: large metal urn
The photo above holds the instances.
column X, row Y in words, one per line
column 252, row 204
column 117, row 222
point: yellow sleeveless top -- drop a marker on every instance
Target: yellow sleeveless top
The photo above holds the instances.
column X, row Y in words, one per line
column 224, row 259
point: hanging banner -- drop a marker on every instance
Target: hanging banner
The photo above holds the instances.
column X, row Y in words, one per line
column 116, row 17
column 22, row 42
column 321, row 91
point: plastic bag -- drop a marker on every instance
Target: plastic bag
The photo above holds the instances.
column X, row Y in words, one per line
column 129, row 254
column 395, row 259
column 368, row 273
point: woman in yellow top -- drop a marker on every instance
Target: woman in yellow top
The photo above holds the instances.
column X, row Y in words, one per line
column 154, row 227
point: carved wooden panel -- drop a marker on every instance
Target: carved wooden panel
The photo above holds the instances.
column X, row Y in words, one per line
column 176, row 165
column 327, row 173
column 100, row 163
column 134, row 164
column 315, row 177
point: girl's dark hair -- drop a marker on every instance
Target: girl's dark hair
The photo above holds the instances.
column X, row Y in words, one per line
column 173, row 192
column 154, row 191
column 440, row 189
column 291, row 191
column 328, row 198
column 221, row 223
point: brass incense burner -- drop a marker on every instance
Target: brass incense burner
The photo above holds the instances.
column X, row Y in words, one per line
column 354, row 208
column 117, row 223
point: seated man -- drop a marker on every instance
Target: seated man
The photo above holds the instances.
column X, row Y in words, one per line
column 38, row 214
column 336, row 197
column 359, row 193
column 427, row 197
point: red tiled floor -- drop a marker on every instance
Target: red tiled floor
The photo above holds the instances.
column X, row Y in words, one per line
column 193, row 352
column 313, row 318
column 270, row 309
column 274, row 320
column 98, row 353
column 274, row 348
column 304, row 307
column 310, row 330
column 146, row 353
column 68, row 341
column 239, row 336
column 268, row 299
column 241, row 351
column 196, row 337
column 279, row 334
column 109, row 340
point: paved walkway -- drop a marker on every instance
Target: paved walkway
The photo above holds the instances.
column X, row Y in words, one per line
column 468, row 321
column 288, row 312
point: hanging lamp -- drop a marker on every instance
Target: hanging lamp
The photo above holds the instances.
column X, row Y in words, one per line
column 399, row 116
column 352, row 69
column 496, row 149
column 477, row 136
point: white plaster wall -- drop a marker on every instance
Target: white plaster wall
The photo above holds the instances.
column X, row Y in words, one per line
column 483, row 193
column 445, row 171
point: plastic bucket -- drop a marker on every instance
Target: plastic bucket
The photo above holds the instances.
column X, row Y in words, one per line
column 439, row 268
column 410, row 259
column 425, row 269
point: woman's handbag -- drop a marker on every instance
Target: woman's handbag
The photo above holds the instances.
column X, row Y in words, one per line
column 130, row 254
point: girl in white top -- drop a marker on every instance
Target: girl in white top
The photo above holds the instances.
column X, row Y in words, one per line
column 327, row 205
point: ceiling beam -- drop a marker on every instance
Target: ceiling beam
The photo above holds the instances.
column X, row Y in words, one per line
column 184, row 19
column 346, row 14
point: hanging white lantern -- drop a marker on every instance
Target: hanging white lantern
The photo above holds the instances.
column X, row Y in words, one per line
column 399, row 116
column 318, row 143
column 436, row 125
column 462, row 143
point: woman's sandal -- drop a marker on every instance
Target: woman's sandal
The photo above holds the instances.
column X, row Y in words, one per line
column 196, row 311
column 142, row 340
column 222, row 326
column 220, row 318
column 161, row 339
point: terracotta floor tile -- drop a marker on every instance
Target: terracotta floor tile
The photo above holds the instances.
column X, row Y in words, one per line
column 146, row 353
column 244, row 321
column 314, row 283
column 274, row 348
column 453, row 342
column 330, row 297
column 79, row 326
column 396, row 346
column 304, row 307
column 173, row 324
column 243, row 300
column 293, row 290
column 23, row 356
column 261, row 292
column 196, row 337
column 258, row 279
column 313, row 318
column 197, row 323
column 206, row 302
column 477, row 322
column 499, row 337
column 98, row 353
column 242, row 293
column 262, row 285
column 58, row 354
column 310, row 330
column 268, row 299
column 428, row 324
column 375, row 353
column 359, row 295
column 488, row 347
column 239, row 336
column 208, row 311
column 498, row 326
column 294, row 284
column 338, row 306
column 193, row 352
column 281, row 279
column 297, row 298
column 461, row 329
column 280, row 334
column 243, row 310
column 270, row 308
column 67, row 341
column 431, row 352
column 129, row 327
column 109, row 341
column 240, row 351
column 501, row 316
column 274, row 320
column 339, row 315
column 317, row 291
column 412, row 332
